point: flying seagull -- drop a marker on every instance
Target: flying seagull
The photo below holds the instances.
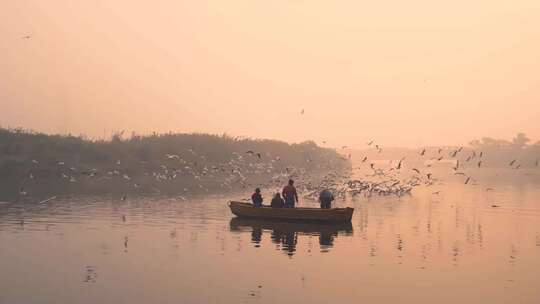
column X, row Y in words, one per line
column 399, row 164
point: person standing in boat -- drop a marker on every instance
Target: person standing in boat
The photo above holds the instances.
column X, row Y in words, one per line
column 325, row 198
column 290, row 195
column 257, row 198
column 277, row 201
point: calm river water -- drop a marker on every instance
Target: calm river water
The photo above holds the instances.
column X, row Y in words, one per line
column 450, row 247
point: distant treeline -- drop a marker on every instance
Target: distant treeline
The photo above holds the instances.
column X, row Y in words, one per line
column 171, row 162
column 501, row 152
column 485, row 152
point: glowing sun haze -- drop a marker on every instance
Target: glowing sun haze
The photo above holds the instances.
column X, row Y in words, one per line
column 405, row 73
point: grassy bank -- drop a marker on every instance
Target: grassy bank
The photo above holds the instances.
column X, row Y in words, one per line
column 169, row 163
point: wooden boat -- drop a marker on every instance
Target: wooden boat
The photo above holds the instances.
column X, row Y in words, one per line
column 334, row 215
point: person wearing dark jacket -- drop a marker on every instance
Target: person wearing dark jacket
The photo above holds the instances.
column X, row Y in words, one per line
column 325, row 198
column 257, row 198
column 277, row 201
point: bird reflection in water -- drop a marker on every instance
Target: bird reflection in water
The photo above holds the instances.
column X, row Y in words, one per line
column 285, row 234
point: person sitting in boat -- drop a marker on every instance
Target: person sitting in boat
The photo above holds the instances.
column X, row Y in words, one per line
column 325, row 198
column 257, row 198
column 277, row 201
column 290, row 195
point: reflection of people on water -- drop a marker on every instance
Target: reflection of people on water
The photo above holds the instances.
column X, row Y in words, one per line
column 277, row 201
column 288, row 239
column 326, row 240
column 325, row 198
column 257, row 198
column 290, row 195
column 287, row 234
column 256, row 235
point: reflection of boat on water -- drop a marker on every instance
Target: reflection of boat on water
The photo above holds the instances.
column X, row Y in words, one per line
column 334, row 215
column 286, row 233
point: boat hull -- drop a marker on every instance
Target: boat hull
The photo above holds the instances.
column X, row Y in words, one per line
column 334, row 215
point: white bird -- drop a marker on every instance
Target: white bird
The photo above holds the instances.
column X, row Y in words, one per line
column 172, row 156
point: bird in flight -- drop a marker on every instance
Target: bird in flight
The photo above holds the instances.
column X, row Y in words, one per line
column 457, row 165
column 369, row 143
column 302, row 112
column 423, row 152
column 416, row 170
column 512, row 162
column 364, row 160
column 399, row 164
column 26, row 37
column 259, row 155
column 467, row 181
column 479, row 164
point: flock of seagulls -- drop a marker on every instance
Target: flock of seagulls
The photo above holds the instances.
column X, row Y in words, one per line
column 191, row 170
column 246, row 169
column 249, row 169
column 390, row 181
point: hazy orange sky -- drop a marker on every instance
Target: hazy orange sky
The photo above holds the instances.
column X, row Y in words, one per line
column 404, row 73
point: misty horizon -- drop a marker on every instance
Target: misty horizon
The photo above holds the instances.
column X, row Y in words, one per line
column 126, row 134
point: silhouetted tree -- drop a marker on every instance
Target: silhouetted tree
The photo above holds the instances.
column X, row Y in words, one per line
column 520, row 140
